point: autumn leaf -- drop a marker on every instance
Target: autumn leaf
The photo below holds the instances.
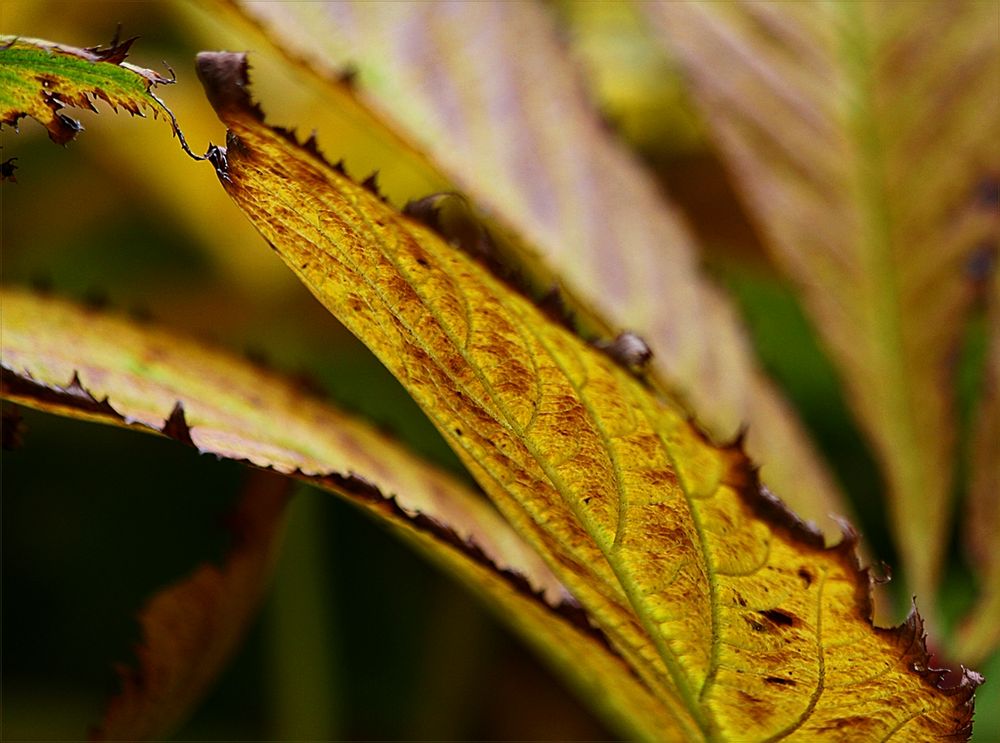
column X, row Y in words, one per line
column 192, row 628
column 82, row 363
column 730, row 610
column 39, row 79
column 489, row 93
column 858, row 133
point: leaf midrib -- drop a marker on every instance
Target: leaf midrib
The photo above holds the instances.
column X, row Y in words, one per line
column 883, row 296
column 677, row 676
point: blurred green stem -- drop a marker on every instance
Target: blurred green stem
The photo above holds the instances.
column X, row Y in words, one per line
column 306, row 694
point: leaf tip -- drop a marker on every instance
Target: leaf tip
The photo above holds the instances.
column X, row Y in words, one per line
column 960, row 685
column 224, row 75
column 116, row 52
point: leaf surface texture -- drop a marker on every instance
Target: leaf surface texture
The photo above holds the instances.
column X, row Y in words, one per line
column 730, row 610
column 492, row 96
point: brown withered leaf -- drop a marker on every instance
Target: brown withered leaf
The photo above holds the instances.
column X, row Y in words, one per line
column 732, row 613
column 858, row 134
column 491, row 95
column 191, row 629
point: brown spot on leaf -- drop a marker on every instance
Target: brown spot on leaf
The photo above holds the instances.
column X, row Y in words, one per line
column 778, row 681
column 348, row 75
column 779, row 617
column 96, row 299
column 806, row 576
column 857, row 724
column 756, row 709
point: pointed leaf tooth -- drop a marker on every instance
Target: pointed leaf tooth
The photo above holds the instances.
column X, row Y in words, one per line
column 462, row 82
column 693, row 571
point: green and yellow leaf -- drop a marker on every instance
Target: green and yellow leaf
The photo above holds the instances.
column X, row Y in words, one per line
column 858, row 133
column 39, row 79
column 71, row 361
column 489, row 93
column 733, row 614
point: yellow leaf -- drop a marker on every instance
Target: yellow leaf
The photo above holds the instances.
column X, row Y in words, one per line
column 67, row 360
column 490, row 94
column 729, row 609
column 39, row 78
column 858, row 133
column 191, row 628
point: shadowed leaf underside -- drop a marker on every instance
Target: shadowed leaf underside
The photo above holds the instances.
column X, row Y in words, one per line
column 82, row 363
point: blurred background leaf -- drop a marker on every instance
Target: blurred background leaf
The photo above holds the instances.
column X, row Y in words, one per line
column 979, row 634
column 111, row 220
column 858, row 135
